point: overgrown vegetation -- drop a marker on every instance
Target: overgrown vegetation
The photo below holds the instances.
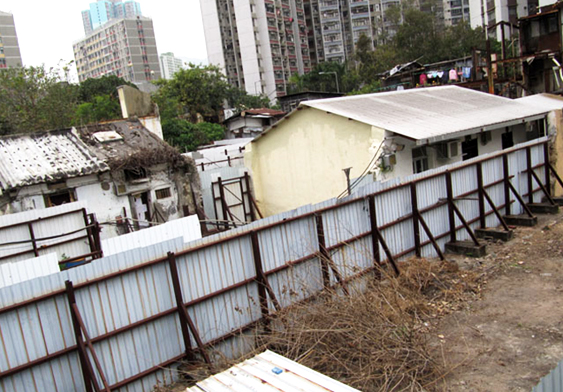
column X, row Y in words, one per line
column 377, row 338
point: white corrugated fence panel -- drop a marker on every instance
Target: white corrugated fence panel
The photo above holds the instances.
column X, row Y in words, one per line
column 188, row 228
column 12, row 273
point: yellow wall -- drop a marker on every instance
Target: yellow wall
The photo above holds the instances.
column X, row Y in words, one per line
column 301, row 160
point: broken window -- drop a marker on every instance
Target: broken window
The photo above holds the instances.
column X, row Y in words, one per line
column 56, row 199
column 133, row 174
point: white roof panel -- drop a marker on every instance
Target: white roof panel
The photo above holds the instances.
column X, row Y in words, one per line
column 430, row 114
column 270, row 372
column 545, row 101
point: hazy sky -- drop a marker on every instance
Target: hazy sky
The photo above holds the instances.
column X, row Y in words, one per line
column 47, row 28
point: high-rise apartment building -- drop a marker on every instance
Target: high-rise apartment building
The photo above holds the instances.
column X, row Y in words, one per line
column 490, row 12
column 9, row 48
column 125, row 48
column 259, row 44
column 104, row 11
column 170, row 65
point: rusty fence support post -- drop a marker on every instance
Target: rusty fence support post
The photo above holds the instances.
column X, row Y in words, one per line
column 249, row 195
column 33, row 241
column 520, row 200
column 464, row 223
column 377, row 238
column 554, row 172
column 260, row 278
column 90, row 382
column 480, row 192
column 506, row 173
column 374, row 239
column 180, row 305
column 451, row 213
column 223, row 203
column 529, row 174
column 326, row 259
column 495, row 210
column 185, row 318
column 415, row 220
column 546, row 168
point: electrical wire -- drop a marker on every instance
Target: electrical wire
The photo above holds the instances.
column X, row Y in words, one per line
column 361, row 177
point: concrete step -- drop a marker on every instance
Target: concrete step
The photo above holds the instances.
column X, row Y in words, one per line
column 521, row 220
column 543, row 208
column 467, row 248
column 494, row 233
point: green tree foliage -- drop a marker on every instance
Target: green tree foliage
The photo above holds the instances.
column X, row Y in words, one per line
column 186, row 136
column 99, row 108
column 34, row 99
column 99, row 100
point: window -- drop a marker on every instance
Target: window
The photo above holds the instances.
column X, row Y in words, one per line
column 162, row 193
column 419, row 160
column 135, row 174
column 59, row 198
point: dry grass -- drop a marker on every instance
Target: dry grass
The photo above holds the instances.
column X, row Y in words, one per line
column 377, row 338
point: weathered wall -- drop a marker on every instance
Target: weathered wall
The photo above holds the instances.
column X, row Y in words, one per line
column 301, row 160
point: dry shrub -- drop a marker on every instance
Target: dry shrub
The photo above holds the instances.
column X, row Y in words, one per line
column 376, row 338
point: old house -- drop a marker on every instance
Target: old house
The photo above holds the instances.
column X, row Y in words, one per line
column 304, row 158
column 540, row 46
column 251, row 122
column 129, row 177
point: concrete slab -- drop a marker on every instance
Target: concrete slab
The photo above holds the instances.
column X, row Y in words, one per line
column 543, row 208
column 494, row 233
column 521, row 220
column 467, row 248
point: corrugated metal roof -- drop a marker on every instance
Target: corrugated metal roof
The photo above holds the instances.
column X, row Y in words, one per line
column 430, row 114
column 45, row 157
column 270, row 372
column 545, row 101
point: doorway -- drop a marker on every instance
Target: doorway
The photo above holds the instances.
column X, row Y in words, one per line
column 469, row 149
column 140, row 210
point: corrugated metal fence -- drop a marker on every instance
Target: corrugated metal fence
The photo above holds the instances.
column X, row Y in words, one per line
column 553, row 382
column 136, row 314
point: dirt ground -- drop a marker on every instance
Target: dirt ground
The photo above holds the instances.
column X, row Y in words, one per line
column 513, row 335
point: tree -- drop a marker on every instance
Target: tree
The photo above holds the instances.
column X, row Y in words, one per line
column 187, row 136
column 100, row 108
column 33, row 99
column 195, row 91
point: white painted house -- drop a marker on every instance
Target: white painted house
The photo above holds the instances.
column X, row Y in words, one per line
column 128, row 176
column 301, row 159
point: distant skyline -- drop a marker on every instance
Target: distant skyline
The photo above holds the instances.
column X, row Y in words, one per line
column 47, row 29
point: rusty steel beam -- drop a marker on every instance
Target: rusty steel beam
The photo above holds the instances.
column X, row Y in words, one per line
column 520, row 200
column 88, row 376
column 546, row 167
column 543, row 188
column 465, row 224
column 415, row 220
column 480, row 191
column 529, row 171
column 373, row 225
column 506, row 175
column 554, row 172
column 324, row 256
column 496, row 211
column 431, row 237
column 451, row 213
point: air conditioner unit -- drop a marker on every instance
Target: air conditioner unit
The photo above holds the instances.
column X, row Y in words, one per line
column 446, row 150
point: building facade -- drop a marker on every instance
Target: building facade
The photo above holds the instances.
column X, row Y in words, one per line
column 259, row 44
column 9, row 48
column 104, row 11
column 169, row 65
column 491, row 13
column 125, row 48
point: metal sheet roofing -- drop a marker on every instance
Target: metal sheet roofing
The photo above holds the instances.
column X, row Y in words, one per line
column 45, row 157
column 545, row 101
column 270, row 372
column 431, row 114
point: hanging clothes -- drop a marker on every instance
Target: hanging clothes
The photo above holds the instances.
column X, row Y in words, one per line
column 453, row 74
column 423, row 79
column 467, row 72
